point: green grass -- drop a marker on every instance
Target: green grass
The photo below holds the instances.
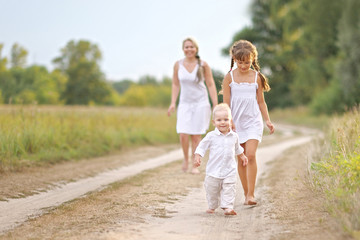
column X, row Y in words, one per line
column 335, row 167
column 337, row 173
column 299, row 116
column 50, row 134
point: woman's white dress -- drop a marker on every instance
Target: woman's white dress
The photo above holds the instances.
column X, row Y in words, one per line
column 194, row 110
column 245, row 110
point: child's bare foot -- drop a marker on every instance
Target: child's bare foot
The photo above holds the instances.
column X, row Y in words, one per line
column 185, row 165
column 229, row 211
column 210, row 210
column 250, row 201
column 195, row 171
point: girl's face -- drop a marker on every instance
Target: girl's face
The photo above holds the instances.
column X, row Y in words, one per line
column 244, row 64
column 189, row 49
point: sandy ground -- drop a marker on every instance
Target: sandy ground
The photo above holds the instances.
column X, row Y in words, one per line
column 165, row 203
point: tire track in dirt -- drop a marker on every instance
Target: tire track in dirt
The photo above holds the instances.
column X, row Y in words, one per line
column 16, row 211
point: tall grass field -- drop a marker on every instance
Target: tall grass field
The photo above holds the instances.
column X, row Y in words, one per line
column 49, row 134
column 337, row 173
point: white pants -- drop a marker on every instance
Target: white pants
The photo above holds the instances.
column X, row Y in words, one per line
column 220, row 192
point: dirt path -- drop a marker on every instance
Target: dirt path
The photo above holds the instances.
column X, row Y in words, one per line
column 164, row 203
column 189, row 220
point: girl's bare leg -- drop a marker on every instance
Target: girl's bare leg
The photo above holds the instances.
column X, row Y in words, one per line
column 184, row 140
column 251, row 146
column 242, row 170
column 195, row 140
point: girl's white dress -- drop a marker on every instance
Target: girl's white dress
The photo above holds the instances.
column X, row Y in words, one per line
column 245, row 110
column 194, row 110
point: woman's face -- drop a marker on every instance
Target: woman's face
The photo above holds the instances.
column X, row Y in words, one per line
column 244, row 64
column 189, row 49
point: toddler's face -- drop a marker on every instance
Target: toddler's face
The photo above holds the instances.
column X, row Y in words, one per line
column 222, row 121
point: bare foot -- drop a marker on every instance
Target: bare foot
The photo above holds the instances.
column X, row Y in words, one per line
column 229, row 211
column 185, row 166
column 250, row 201
column 210, row 210
column 195, row 171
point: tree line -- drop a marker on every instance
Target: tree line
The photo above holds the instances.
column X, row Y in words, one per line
column 310, row 50
column 76, row 80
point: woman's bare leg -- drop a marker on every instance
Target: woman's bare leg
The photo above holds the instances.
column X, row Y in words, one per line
column 184, row 140
column 195, row 140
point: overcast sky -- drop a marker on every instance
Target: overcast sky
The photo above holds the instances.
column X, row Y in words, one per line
column 136, row 37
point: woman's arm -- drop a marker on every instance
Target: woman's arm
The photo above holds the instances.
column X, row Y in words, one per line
column 209, row 80
column 175, row 89
column 263, row 106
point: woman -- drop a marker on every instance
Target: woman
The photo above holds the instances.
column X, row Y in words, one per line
column 194, row 111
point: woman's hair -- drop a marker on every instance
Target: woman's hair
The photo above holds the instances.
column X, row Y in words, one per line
column 243, row 50
column 200, row 72
column 222, row 107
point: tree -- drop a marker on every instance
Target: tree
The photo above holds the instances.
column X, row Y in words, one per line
column 86, row 83
column 18, row 56
column 148, row 80
column 348, row 70
column 122, row 85
column 3, row 61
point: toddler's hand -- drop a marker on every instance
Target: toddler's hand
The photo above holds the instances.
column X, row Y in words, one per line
column 197, row 160
column 244, row 160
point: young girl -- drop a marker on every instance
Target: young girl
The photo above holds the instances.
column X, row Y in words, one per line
column 194, row 111
column 243, row 90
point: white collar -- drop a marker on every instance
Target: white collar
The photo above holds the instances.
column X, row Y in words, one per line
column 217, row 131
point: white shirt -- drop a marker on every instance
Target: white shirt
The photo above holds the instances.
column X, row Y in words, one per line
column 221, row 163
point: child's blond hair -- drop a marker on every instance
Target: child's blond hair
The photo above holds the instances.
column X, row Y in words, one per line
column 222, row 107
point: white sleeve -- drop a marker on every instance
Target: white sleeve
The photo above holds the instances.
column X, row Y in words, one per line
column 203, row 145
column 238, row 149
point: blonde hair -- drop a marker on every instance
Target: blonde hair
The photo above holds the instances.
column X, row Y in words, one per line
column 200, row 72
column 244, row 50
column 222, row 107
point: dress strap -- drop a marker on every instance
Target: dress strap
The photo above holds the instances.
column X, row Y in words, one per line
column 232, row 77
column 255, row 80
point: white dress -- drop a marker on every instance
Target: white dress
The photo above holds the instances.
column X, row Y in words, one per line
column 194, row 110
column 245, row 110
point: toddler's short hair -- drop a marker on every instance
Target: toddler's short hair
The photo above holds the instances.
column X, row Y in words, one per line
column 222, row 107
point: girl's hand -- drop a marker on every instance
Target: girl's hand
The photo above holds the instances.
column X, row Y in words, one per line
column 270, row 126
column 171, row 109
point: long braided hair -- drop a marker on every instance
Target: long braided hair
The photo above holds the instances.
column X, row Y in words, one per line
column 200, row 71
column 243, row 50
